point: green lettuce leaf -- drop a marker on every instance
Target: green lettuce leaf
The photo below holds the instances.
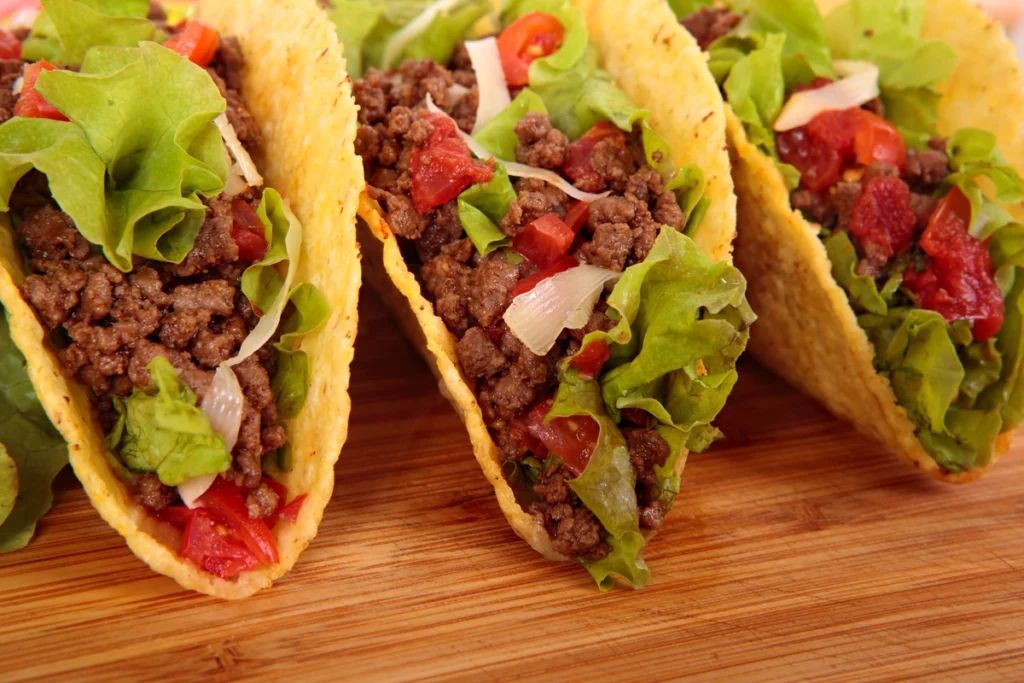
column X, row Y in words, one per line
column 683, row 321
column 805, row 53
column 290, row 383
column 308, row 309
column 261, row 282
column 861, row 290
column 888, row 34
column 354, row 20
column 607, row 485
column 498, row 136
column 36, row 452
column 164, row 432
column 623, row 561
column 149, row 163
column 437, row 41
column 481, row 209
column 974, row 153
column 756, row 90
column 67, row 29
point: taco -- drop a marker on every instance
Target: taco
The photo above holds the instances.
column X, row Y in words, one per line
column 188, row 326
column 556, row 238
column 878, row 216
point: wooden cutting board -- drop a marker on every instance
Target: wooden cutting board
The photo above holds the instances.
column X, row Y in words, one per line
column 797, row 549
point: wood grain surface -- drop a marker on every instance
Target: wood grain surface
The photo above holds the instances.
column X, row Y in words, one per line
column 797, row 550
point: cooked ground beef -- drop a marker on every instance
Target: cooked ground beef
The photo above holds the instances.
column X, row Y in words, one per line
column 708, row 24
column 110, row 325
column 573, row 528
column 647, row 450
column 471, row 293
column 10, row 71
column 226, row 71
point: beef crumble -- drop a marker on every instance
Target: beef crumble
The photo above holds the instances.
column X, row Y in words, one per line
column 708, row 24
column 471, row 292
column 110, row 325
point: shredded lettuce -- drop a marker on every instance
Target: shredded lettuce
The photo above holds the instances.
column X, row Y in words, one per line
column 261, row 284
column 128, row 172
column 682, row 322
column 354, row 20
column 366, row 26
column 805, row 52
column 481, row 209
column 66, row 29
column 607, row 486
column 162, row 430
column 35, row 454
column 888, row 34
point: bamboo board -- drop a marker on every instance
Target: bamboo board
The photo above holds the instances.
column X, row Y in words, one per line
column 797, row 550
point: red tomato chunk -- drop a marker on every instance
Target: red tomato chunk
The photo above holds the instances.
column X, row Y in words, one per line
column 248, row 231
column 443, row 167
column 959, row 281
column 882, row 220
column 30, row 103
column 591, row 359
column 198, row 42
column 530, row 37
column 572, row 439
column 10, row 46
column 544, row 241
column 207, row 544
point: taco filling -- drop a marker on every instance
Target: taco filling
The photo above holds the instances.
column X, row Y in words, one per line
column 162, row 268
column 847, row 106
column 545, row 220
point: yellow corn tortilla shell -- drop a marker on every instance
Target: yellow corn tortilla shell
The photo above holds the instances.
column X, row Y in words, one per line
column 806, row 331
column 694, row 127
column 295, row 87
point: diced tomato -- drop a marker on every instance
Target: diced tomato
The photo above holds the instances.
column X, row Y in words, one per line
column 959, row 280
column 177, row 515
column 544, row 241
column 530, row 37
column 577, row 215
column 521, row 431
column 528, row 283
column 572, row 439
column 30, row 103
column 248, row 231
column 835, row 129
column 875, row 139
column 881, row 219
column 443, row 167
column 196, row 41
column 577, row 164
column 10, row 46
column 209, row 546
column 819, row 164
column 590, row 360
column 225, row 503
column 290, row 512
column 832, row 138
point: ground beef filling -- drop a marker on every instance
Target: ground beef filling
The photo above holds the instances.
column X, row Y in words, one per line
column 471, row 292
column 110, row 325
column 708, row 24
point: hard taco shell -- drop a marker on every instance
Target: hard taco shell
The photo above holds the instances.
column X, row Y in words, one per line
column 807, row 332
column 662, row 70
column 296, row 89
